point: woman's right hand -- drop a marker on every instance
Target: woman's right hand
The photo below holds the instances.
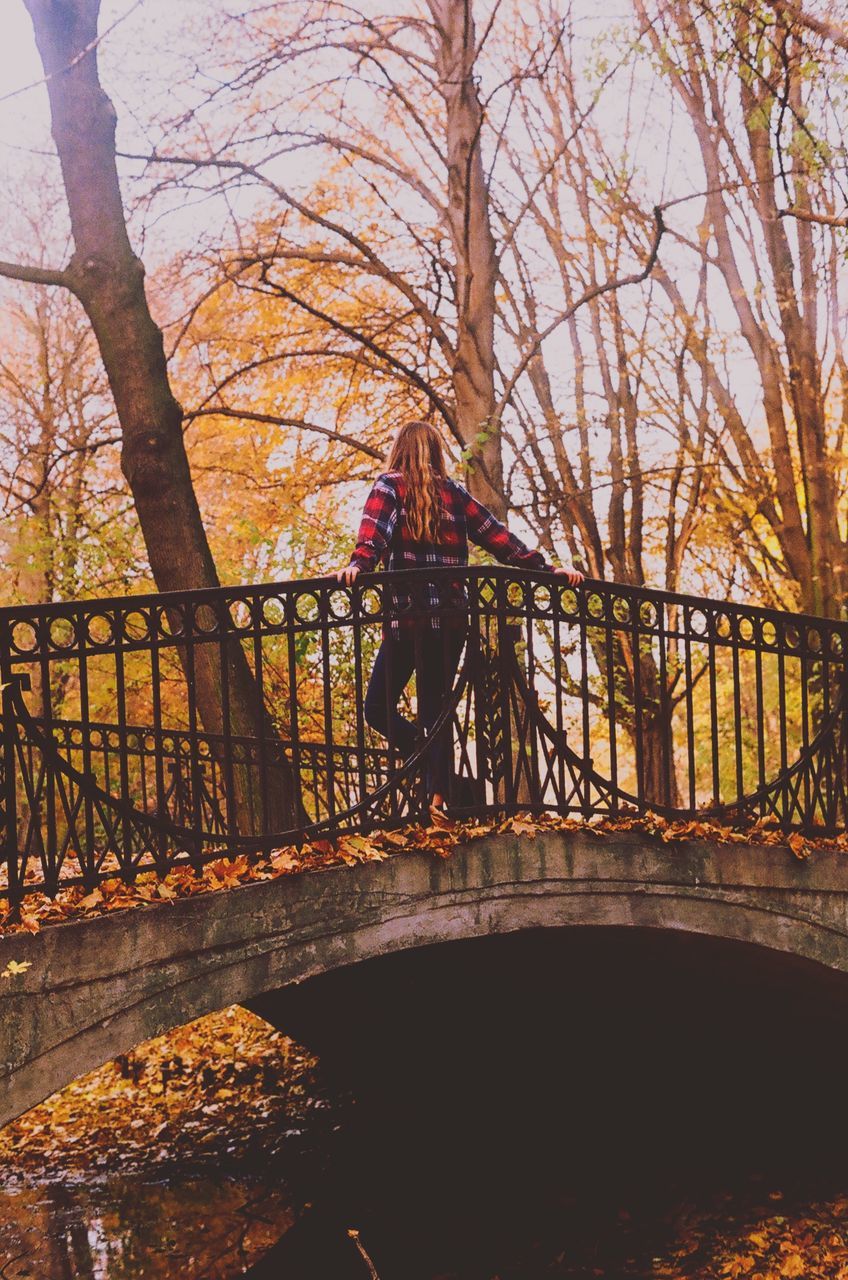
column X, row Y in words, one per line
column 348, row 574
column 575, row 577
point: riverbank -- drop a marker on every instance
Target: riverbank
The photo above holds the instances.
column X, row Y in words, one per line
column 225, row 1090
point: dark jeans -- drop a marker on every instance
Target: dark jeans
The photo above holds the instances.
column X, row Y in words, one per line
column 435, row 664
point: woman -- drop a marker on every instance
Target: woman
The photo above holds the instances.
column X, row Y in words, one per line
column 417, row 517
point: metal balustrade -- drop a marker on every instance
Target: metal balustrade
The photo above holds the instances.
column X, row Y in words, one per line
column 147, row 732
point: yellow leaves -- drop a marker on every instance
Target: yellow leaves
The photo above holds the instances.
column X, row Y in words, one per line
column 792, row 1265
column 15, row 967
column 395, row 839
column 801, row 1243
column 522, row 825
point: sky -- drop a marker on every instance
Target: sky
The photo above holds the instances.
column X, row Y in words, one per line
column 145, row 56
column 126, row 27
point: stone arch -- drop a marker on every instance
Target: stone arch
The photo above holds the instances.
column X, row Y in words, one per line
column 97, row 987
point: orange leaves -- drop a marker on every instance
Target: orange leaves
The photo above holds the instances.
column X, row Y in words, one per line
column 354, row 850
column 799, row 846
column 805, row 1241
column 227, row 873
column 792, row 1265
column 216, row 1089
column 742, row 1265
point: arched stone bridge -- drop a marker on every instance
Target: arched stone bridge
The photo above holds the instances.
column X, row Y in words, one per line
column 97, row 987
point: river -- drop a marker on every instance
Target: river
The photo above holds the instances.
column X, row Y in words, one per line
column 118, row 1228
column 217, row 1227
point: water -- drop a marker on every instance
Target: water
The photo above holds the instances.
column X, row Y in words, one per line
column 119, row 1228
column 188, row 1224
column 217, row 1228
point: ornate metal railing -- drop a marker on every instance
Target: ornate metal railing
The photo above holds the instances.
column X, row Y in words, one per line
column 148, row 731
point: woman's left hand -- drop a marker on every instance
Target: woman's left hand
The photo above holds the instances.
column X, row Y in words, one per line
column 348, row 574
column 575, row 577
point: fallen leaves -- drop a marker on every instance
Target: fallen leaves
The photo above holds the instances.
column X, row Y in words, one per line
column 218, row 1090
column 182, row 881
column 15, row 967
column 740, row 1237
column 799, row 846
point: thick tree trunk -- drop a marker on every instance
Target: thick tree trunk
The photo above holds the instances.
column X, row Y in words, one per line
column 108, row 279
column 474, row 250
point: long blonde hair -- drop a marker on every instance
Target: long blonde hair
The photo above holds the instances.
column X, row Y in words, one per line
column 419, row 455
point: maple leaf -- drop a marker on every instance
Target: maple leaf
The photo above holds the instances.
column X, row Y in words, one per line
column 792, row 1265
column 398, row 839
column 524, row 825
column 283, row 860
column 323, row 846
column 799, row 846
column 14, row 967
column 739, row 1266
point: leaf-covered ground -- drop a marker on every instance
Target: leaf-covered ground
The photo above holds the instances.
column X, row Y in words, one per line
column 74, row 902
column 756, row 1230
column 769, row 1235
column 220, row 1090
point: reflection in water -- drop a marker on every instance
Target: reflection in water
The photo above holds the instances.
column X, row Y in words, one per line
column 201, row 1228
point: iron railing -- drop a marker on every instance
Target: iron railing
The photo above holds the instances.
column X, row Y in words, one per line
column 151, row 731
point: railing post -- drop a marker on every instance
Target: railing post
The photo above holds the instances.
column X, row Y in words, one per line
column 841, row 737
column 9, row 851
column 504, row 685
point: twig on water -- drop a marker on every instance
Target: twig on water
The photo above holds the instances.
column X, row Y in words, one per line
column 354, row 1235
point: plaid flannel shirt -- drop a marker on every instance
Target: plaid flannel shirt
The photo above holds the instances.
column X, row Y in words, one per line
column 384, row 538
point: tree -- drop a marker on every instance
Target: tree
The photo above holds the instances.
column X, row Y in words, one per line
column 107, row 277
column 751, row 85
column 64, row 503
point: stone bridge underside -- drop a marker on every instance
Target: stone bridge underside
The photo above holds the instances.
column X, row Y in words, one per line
column 97, row 987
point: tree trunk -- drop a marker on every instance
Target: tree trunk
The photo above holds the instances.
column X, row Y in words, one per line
column 469, row 224
column 108, row 278
column 799, row 333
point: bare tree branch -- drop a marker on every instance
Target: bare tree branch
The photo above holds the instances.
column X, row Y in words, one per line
column 35, row 275
column 821, row 219
column 821, row 26
column 596, row 291
column 248, row 415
